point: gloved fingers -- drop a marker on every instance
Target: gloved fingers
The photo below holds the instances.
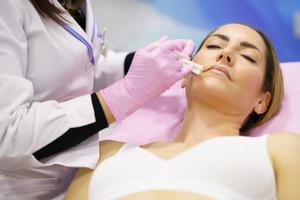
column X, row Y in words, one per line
column 179, row 45
column 188, row 48
column 184, row 69
column 177, row 55
column 156, row 43
column 174, row 55
column 196, row 67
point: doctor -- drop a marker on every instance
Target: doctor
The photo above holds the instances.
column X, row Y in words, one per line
column 52, row 74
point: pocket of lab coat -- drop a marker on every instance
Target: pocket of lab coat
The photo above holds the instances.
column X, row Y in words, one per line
column 26, row 188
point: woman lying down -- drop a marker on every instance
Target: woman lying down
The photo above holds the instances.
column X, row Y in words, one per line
column 240, row 87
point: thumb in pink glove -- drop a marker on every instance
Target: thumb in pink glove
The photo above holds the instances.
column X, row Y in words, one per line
column 154, row 69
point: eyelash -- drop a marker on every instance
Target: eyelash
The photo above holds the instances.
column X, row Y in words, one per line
column 212, row 46
column 249, row 58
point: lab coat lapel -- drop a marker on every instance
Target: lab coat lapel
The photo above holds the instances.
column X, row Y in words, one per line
column 74, row 25
column 96, row 38
column 76, row 31
column 91, row 29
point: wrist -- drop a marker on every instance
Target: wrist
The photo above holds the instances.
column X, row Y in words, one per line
column 128, row 61
column 120, row 102
column 107, row 112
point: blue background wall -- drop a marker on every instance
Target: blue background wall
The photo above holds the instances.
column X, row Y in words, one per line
column 149, row 19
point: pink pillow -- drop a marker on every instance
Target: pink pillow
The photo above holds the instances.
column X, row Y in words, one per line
column 288, row 117
column 161, row 119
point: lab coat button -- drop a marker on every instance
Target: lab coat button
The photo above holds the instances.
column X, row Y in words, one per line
column 89, row 67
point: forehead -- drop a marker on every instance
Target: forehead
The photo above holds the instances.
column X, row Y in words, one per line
column 241, row 33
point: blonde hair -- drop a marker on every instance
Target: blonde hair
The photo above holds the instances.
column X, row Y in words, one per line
column 273, row 83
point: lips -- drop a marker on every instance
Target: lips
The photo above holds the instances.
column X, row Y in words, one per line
column 221, row 69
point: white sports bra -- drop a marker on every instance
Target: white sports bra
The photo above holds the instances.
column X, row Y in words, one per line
column 229, row 167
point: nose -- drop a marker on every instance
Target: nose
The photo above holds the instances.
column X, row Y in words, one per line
column 225, row 58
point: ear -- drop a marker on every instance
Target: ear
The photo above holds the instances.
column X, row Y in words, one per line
column 262, row 103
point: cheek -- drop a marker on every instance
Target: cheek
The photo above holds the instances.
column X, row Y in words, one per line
column 202, row 56
column 197, row 57
column 250, row 80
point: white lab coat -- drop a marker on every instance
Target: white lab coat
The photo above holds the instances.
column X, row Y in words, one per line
column 46, row 78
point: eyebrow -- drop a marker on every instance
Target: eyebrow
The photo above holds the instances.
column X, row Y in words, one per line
column 244, row 44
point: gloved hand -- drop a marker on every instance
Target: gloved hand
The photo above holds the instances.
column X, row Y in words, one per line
column 154, row 69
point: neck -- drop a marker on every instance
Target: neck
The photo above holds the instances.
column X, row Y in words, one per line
column 204, row 122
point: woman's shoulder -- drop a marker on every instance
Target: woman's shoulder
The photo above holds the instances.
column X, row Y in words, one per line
column 284, row 148
column 288, row 140
column 14, row 14
column 78, row 188
column 16, row 5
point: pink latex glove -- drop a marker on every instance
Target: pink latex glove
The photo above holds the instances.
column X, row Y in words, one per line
column 154, row 69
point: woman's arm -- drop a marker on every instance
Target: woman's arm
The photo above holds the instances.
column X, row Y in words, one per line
column 285, row 154
column 78, row 189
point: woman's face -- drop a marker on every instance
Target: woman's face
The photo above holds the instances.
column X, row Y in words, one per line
column 234, row 64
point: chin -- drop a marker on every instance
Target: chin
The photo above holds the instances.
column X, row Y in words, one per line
column 218, row 84
column 212, row 87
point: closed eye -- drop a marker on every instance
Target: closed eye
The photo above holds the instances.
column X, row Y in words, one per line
column 249, row 58
column 212, row 46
